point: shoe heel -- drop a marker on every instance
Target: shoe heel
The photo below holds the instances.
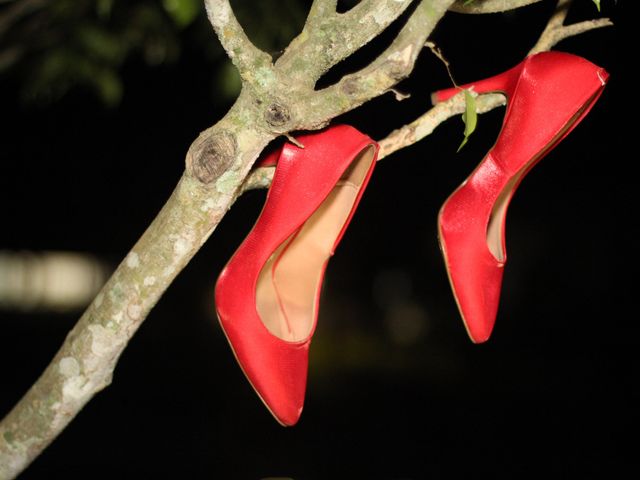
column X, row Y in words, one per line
column 503, row 82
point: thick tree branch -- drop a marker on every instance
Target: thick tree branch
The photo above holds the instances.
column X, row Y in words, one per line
column 216, row 163
column 85, row 363
column 489, row 6
column 405, row 136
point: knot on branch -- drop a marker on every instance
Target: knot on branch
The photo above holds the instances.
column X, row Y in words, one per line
column 398, row 71
column 350, row 86
column 210, row 156
column 277, row 115
column 399, row 64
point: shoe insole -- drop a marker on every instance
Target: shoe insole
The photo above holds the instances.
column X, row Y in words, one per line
column 288, row 285
column 495, row 227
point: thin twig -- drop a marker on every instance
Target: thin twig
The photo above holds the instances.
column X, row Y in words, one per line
column 553, row 37
column 559, row 16
column 426, row 123
column 440, row 56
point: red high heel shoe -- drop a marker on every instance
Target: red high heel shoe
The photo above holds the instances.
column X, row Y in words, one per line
column 267, row 296
column 548, row 95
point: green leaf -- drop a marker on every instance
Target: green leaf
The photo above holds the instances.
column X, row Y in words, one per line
column 183, row 12
column 108, row 86
column 100, row 43
column 469, row 117
column 597, row 2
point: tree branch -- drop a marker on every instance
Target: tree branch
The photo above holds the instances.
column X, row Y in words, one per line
column 84, row 364
column 216, row 163
column 424, row 125
column 341, row 35
column 489, row 6
column 370, row 18
column 394, row 64
column 556, row 31
column 404, row 136
column 250, row 61
column 320, row 9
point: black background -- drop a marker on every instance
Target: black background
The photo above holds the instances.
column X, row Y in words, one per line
column 552, row 394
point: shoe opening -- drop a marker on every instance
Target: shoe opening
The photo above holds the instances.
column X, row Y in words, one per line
column 289, row 284
column 495, row 227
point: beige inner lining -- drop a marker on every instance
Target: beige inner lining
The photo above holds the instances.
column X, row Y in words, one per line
column 495, row 227
column 288, row 283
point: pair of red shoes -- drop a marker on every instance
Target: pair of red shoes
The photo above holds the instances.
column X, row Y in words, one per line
column 267, row 295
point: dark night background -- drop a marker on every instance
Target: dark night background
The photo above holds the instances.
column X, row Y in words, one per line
column 396, row 390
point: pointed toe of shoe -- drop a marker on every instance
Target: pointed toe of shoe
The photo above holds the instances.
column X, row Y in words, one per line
column 288, row 415
column 276, row 369
column 282, row 389
column 479, row 328
column 478, row 296
column 475, row 276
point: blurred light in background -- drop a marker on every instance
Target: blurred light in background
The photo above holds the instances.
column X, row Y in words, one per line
column 49, row 281
column 407, row 323
column 406, row 320
column 391, row 286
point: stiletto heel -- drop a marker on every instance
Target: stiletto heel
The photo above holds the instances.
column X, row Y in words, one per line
column 548, row 95
column 502, row 82
column 267, row 296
